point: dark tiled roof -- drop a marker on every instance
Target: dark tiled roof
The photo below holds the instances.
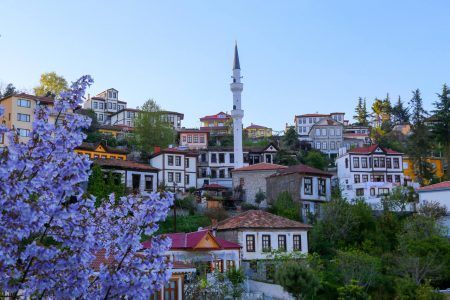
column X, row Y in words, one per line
column 254, row 126
column 259, row 219
column 94, row 146
column 260, row 167
column 301, row 169
column 124, row 165
column 186, row 152
column 46, row 100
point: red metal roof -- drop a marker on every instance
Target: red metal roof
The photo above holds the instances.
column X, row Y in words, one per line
column 371, row 149
column 260, row 167
column 190, row 240
column 445, row 185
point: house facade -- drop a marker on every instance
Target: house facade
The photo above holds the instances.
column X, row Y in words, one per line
column 218, row 124
column 369, row 173
column 258, row 155
column 173, row 118
column 135, row 176
column 303, row 123
column 101, row 151
column 194, row 139
column 438, row 164
column 307, row 186
column 105, row 104
column 177, row 168
column 260, row 232
column 252, row 179
column 326, row 135
column 124, row 117
column 257, row 131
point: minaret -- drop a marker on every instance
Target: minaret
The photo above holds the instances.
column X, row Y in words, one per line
column 237, row 113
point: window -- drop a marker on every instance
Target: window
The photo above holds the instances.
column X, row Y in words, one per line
column 355, row 162
column 178, row 160
column 317, row 132
column 23, row 117
column 308, row 189
column 1, row 138
column 170, row 160
column 282, row 243
column 324, row 145
column 95, row 105
column 372, row 192
column 114, row 106
column 365, row 178
column 230, row 264
column 397, row 178
column 103, row 157
column 322, row 187
column 266, row 246
column 213, row 173
column 383, row 191
column 363, row 162
column 177, row 177
column 396, row 163
column 232, row 158
column 128, row 114
column 221, row 158
column 186, row 179
column 318, row 145
column 214, row 158
column 109, row 105
column 250, row 242
column 23, row 132
column 338, row 131
column 100, row 117
column 389, row 178
column 297, row 242
column 23, row 103
column 100, row 105
column 184, row 139
column 388, row 163
column 148, row 183
column 332, row 145
column 346, row 163
column 196, row 138
column 324, row 131
column 382, row 162
column 331, row 131
column 203, row 157
column 186, row 162
column 359, row 192
column 357, row 178
column 202, row 139
column 222, row 173
column 189, row 138
column 376, row 162
column 170, row 177
column 310, row 120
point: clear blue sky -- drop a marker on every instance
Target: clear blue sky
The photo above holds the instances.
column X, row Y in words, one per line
column 296, row 56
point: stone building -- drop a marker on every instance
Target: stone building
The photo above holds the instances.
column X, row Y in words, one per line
column 252, row 179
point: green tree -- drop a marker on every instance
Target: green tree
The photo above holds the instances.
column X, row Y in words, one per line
column 285, row 158
column 150, row 128
column 290, row 140
column 387, row 108
column 91, row 114
column 362, row 115
column 316, row 160
column 286, row 207
column 420, row 140
column 441, row 127
column 298, row 279
column 352, row 291
column 377, row 109
column 50, row 84
column 400, row 113
column 260, row 196
column 101, row 185
column 10, row 90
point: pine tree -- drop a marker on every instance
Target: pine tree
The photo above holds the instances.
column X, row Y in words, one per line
column 400, row 113
column 9, row 90
column 419, row 142
column 358, row 110
column 441, row 127
column 361, row 112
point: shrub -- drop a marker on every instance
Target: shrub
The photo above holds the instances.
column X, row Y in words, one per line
column 218, row 214
column 286, row 207
column 298, row 280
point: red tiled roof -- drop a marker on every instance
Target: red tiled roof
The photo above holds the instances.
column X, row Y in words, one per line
column 214, row 186
column 259, row 219
column 187, row 241
column 47, row 100
column 302, row 169
column 371, row 149
column 445, row 185
column 215, row 117
column 260, row 167
column 125, row 165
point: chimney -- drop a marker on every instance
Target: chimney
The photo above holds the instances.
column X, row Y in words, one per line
column 89, row 96
column 156, row 149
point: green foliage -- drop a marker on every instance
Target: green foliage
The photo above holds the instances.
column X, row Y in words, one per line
column 441, row 126
column 362, row 114
column 218, row 214
column 236, row 278
column 150, row 128
column 400, row 113
column 9, row 90
column 91, row 114
column 298, row 280
column 50, row 84
column 260, row 196
column 102, row 184
column 290, row 140
column 286, row 207
column 285, row 158
column 247, row 206
column 352, row 291
column 316, row 159
column 184, row 223
column 187, row 203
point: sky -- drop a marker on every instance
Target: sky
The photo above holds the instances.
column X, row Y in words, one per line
column 296, row 56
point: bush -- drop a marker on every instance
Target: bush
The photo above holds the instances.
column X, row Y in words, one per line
column 187, row 203
column 218, row 214
column 247, row 206
column 298, row 280
column 286, row 207
column 352, row 291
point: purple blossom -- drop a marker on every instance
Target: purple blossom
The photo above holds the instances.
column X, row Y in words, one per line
column 51, row 231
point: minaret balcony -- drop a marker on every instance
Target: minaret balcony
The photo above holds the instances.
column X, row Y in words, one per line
column 236, row 87
column 237, row 113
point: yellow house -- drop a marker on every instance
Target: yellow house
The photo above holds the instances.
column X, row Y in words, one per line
column 218, row 124
column 257, row 131
column 19, row 113
column 436, row 162
column 101, row 151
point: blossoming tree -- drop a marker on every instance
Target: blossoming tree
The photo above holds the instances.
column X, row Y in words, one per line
column 54, row 242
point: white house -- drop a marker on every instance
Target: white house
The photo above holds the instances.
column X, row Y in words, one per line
column 326, row 136
column 135, row 176
column 105, row 104
column 260, row 232
column 124, row 116
column 177, row 168
column 369, row 173
column 304, row 123
column 439, row 192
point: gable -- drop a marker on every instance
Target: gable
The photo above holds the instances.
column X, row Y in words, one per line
column 207, row 242
column 270, row 148
column 100, row 149
column 378, row 150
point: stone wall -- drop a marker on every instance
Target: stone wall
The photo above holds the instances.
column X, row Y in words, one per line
column 278, row 184
column 253, row 182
